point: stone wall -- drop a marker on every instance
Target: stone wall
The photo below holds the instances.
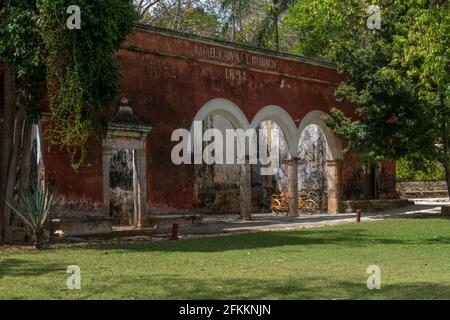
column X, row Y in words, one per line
column 423, row 189
column 168, row 81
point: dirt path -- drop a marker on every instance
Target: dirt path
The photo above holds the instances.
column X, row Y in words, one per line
column 222, row 225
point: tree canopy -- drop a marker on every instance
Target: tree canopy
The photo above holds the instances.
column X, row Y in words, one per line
column 399, row 74
column 78, row 66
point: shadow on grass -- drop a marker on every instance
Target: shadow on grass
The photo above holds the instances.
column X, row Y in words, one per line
column 178, row 287
column 22, row 267
column 350, row 238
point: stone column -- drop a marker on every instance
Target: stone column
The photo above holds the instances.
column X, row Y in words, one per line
column 106, row 184
column 334, row 185
column 245, row 192
column 292, row 173
column 142, row 177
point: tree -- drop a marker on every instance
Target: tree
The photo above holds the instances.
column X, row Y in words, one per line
column 424, row 55
column 144, row 6
column 399, row 75
column 201, row 20
column 76, row 67
column 269, row 26
column 20, row 51
column 236, row 10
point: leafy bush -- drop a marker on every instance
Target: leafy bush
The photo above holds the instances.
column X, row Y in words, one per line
column 429, row 171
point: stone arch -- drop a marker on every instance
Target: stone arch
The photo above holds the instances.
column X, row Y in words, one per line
column 334, row 145
column 334, row 157
column 231, row 112
column 282, row 119
column 224, row 108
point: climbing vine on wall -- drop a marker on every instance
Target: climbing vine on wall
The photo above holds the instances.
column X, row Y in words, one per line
column 82, row 73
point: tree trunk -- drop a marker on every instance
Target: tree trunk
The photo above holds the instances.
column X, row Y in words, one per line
column 7, row 140
column 276, row 16
column 447, row 177
column 14, row 163
column 25, row 166
column 38, row 236
column 445, row 142
column 233, row 20
column 177, row 20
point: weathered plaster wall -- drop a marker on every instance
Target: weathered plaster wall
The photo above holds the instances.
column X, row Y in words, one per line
column 167, row 79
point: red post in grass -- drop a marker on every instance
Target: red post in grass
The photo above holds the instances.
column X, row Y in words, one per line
column 174, row 235
column 358, row 215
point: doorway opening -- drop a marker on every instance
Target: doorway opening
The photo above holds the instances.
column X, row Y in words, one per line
column 217, row 185
column 312, row 171
column 123, row 187
column 125, row 168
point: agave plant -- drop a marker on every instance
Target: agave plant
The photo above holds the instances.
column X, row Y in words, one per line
column 35, row 208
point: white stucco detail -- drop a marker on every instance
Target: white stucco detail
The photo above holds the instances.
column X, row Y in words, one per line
column 283, row 120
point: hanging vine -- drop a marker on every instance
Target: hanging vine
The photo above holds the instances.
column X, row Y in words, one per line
column 82, row 72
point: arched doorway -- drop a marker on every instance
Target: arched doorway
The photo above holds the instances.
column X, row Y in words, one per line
column 274, row 118
column 333, row 157
column 217, row 184
column 312, row 172
column 221, row 114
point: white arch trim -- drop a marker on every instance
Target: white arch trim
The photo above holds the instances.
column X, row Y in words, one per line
column 333, row 143
column 225, row 108
column 282, row 119
column 220, row 107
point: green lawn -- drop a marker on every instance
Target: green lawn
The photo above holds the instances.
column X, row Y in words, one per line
column 321, row 263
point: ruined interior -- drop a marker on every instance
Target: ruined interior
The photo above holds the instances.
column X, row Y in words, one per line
column 218, row 184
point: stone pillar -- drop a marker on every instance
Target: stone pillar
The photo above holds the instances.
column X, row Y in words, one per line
column 106, row 184
column 142, row 190
column 245, row 192
column 292, row 173
column 334, row 185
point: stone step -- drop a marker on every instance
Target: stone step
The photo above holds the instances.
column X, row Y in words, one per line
column 164, row 220
column 80, row 226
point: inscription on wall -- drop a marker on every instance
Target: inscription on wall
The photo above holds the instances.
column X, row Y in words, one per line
column 235, row 75
column 234, row 57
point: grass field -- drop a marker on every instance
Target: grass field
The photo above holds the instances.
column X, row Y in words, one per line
column 321, row 263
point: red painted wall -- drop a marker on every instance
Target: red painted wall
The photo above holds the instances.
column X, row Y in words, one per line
column 167, row 81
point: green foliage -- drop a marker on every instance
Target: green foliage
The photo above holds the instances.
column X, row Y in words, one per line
column 399, row 75
column 21, row 45
column 195, row 20
column 35, row 208
column 82, row 73
column 431, row 171
column 320, row 25
column 268, row 33
column 78, row 65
